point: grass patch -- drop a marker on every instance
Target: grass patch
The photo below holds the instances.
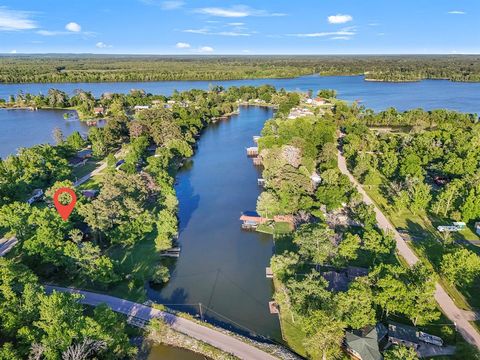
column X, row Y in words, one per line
column 292, row 334
column 275, row 228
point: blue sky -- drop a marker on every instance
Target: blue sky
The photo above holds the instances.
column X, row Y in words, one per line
column 243, row 27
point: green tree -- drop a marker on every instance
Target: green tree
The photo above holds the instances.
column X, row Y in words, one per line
column 461, row 267
column 315, row 242
column 400, row 352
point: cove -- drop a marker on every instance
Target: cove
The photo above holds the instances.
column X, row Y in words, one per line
column 221, row 266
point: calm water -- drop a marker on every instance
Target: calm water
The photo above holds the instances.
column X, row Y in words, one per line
column 33, row 128
column 221, row 266
column 23, row 128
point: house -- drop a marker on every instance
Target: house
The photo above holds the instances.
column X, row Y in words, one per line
column 338, row 281
column 403, row 335
column 363, row 344
column 299, row 112
column 90, row 194
column 99, row 110
column 141, row 107
column 37, row 194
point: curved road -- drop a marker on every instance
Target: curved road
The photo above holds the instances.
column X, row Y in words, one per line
column 206, row 334
column 460, row 317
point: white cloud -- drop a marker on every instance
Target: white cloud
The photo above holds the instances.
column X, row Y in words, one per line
column 13, row 20
column 339, row 19
column 343, row 32
column 238, row 11
column 205, row 49
column 171, row 5
column 73, row 27
column 50, row 33
column 340, row 38
column 457, row 12
column 182, row 45
column 13, row 51
column 236, row 24
column 205, row 31
column 102, row 45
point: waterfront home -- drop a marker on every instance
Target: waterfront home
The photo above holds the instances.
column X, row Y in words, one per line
column 299, row 112
column 99, row 110
column 363, row 344
column 37, row 194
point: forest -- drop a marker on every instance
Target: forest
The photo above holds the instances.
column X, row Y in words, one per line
column 114, row 68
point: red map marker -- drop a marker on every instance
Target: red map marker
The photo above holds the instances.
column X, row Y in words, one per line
column 64, row 210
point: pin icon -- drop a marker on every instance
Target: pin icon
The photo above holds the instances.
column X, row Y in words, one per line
column 64, row 210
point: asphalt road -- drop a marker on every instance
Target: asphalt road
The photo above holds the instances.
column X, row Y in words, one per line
column 460, row 317
column 208, row 335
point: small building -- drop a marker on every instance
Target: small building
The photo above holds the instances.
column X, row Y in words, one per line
column 251, row 219
column 141, row 107
column 37, row 194
column 363, row 344
column 99, row 110
column 252, row 151
column 403, row 335
column 90, row 194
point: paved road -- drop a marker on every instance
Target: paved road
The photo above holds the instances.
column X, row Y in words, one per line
column 6, row 245
column 460, row 317
column 208, row 335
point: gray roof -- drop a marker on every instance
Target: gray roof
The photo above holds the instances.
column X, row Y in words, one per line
column 403, row 332
column 365, row 345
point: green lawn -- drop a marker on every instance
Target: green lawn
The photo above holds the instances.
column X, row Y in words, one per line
column 275, row 228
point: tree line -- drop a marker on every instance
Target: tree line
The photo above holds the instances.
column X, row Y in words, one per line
column 108, row 68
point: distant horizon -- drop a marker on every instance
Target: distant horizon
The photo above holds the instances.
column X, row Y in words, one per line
column 237, row 54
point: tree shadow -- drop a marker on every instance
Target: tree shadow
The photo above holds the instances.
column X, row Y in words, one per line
column 188, row 199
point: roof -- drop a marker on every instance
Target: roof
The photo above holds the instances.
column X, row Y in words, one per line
column 337, row 281
column 365, row 343
column 403, row 332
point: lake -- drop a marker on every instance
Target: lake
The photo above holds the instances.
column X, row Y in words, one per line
column 36, row 127
column 222, row 267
